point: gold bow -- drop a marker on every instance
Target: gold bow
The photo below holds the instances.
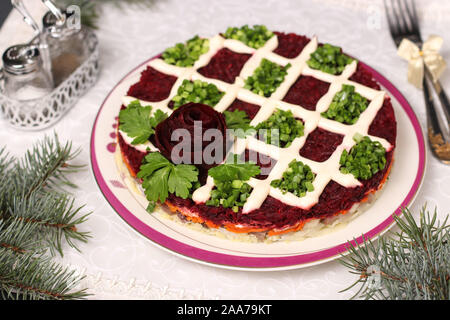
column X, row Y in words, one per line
column 429, row 55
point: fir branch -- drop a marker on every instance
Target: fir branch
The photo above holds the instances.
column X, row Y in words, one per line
column 413, row 264
column 46, row 166
column 5, row 161
column 38, row 217
column 54, row 216
column 37, row 278
column 17, row 236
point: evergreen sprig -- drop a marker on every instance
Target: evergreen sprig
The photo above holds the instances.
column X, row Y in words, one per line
column 45, row 167
column 37, row 217
column 412, row 264
column 34, row 277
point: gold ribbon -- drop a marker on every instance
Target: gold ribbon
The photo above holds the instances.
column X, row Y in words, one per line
column 417, row 58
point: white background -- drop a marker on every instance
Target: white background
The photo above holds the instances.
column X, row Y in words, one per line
column 118, row 262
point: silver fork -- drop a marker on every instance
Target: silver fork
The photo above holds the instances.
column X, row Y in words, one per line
column 403, row 23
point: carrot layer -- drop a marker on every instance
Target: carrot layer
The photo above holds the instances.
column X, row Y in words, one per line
column 235, row 229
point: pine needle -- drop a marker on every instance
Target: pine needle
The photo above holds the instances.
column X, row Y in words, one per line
column 36, row 278
column 54, row 216
column 37, row 219
column 414, row 264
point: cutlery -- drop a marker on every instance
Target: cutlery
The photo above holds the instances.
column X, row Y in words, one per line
column 403, row 23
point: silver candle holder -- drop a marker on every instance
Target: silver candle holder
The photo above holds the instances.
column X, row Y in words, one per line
column 71, row 70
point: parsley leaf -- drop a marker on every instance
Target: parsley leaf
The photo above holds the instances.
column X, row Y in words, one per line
column 239, row 122
column 153, row 161
column 156, row 185
column 158, row 116
column 161, row 177
column 232, row 170
column 181, row 178
column 135, row 121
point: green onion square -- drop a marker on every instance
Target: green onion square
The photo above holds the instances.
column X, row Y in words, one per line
column 266, row 78
column 365, row 159
column 185, row 54
column 197, row 91
column 281, row 128
column 298, row 184
column 346, row 106
column 329, row 59
column 254, row 37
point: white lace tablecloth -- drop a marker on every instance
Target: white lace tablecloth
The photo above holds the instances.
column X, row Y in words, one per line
column 121, row 264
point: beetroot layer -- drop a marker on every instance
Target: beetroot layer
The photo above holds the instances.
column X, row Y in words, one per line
column 306, row 92
column 290, row 45
column 133, row 157
column 249, row 108
column 318, row 147
column 320, row 144
column 153, row 86
column 225, row 65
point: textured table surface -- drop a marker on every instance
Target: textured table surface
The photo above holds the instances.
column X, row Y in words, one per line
column 121, row 264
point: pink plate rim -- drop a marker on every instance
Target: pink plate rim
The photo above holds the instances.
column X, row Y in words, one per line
column 261, row 263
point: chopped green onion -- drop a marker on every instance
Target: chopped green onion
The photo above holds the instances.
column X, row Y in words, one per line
column 347, row 106
column 358, row 137
column 329, row 59
column 282, row 128
column 254, row 37
column 297, row 179
column 198, row 92
column 232, row 190
column 236, row 184
column 185, row 54
column 266, row 78
column 365, row 159
column 229, row 194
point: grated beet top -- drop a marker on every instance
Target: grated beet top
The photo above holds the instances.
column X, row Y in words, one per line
column 320, row 144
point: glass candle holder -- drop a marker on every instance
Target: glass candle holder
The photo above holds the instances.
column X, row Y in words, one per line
column 44, row 111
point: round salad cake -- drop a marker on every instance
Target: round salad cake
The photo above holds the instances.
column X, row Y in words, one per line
column 255, row 132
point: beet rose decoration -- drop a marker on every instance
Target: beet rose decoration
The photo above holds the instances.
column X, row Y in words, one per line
column 193, row 134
